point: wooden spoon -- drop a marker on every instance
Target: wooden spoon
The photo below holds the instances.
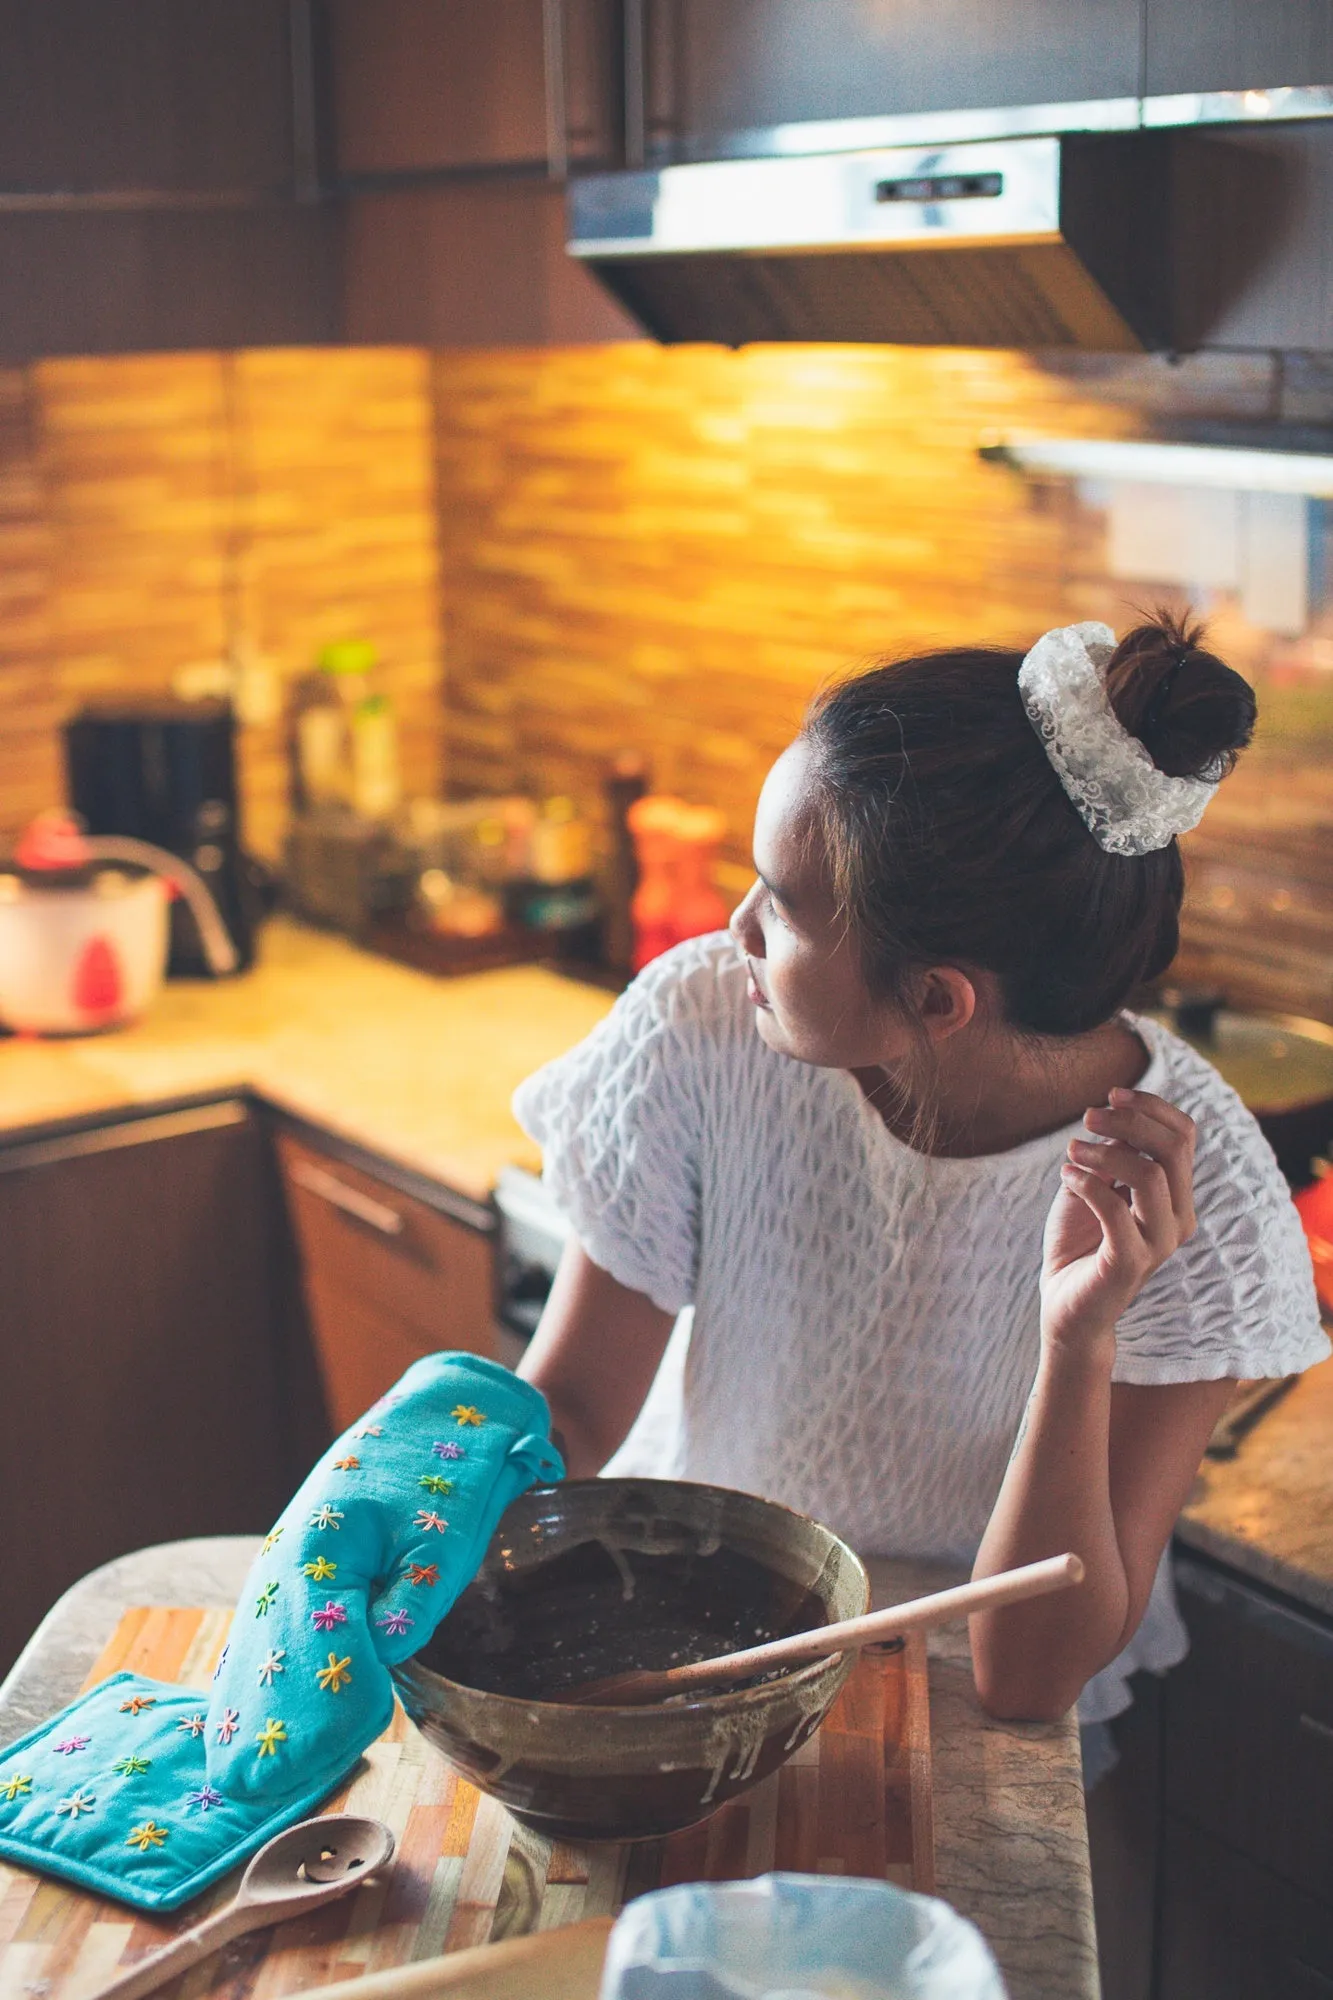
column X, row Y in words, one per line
column 297, row 1871
column 562, row 1964
column 848, row 1635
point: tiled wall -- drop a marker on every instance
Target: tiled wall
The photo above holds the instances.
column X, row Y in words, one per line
column 158, row 512
column 667, row 550
column 634, row 547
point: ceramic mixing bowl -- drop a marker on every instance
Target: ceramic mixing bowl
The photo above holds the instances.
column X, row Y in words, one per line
column 596, row 1576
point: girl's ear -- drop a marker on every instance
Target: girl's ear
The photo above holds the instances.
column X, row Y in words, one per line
column 946, row 1000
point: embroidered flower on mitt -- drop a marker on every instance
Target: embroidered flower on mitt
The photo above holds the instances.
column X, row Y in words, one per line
column 334, row 1678
column 269, row 1737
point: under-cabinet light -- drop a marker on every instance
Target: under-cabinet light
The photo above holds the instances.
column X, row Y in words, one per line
column 1238, row 468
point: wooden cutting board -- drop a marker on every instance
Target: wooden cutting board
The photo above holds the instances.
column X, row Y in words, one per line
column 854, row 1800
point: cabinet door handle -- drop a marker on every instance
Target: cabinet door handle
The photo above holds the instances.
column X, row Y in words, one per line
column 318, row 1180
column 1316, row 1727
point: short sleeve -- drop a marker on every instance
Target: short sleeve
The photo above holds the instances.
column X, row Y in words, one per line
column 1238, row 1299
column 619, row 1126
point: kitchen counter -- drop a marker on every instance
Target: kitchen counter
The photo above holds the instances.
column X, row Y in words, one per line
column 417, row 1070
column 1011, row 1843
column 1268, row 1511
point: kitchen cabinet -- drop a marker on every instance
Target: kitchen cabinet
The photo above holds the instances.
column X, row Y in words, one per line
column 1212, row 1839
column 433, row 86
column 392, row 1268
column 180, row 96
column 158, row 281
column 1248, row 1720
column 152, row 1368
column 1231, row 1930
column 158, row 177
column 1236, row 44
column 452, row 130
column 719, row 70
column 471, row 267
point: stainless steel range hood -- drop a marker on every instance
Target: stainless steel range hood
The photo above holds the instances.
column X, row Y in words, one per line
column 1028, row 242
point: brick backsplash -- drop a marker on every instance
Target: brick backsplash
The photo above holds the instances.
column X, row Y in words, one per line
column 668, row 549
column 156, row 509
column 568, row 552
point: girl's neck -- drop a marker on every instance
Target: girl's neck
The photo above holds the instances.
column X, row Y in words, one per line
column 992, row 1091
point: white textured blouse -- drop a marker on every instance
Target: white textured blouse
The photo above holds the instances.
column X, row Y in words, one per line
column 865, row 1325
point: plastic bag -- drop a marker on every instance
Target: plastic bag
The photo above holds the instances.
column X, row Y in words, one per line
column 796, row 1937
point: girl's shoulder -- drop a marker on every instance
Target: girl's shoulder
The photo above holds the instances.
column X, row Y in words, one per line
column 702, row 979
column 1224, row 1124
column 1237, row 1299
column 693, row 995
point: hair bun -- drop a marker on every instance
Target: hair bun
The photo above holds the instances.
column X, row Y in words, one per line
column 1190, row 711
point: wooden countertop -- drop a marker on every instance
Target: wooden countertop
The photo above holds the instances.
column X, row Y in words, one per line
column 415, row 1069
column 1268, row 1511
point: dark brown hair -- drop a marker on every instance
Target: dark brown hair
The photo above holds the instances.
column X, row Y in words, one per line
column 952, row 841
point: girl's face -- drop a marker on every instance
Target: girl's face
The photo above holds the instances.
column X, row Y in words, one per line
column 806, row 983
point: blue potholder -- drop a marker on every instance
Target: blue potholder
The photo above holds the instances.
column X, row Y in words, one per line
column 147, row 1792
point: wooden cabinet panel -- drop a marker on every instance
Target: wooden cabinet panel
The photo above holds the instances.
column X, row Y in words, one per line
column 471, row 267
column 1272, row 286
column 1249, row 1728
column 363, row 1350
column 1232, row 1931
column 421, row 84
column 145, row 94
column 143, row 1362
column 84, row 283
column 1124, row 1843
column 738, row 65
column 387, row 1277
column 1237, row 44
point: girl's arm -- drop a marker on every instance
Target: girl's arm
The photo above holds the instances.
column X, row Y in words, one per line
column 594, row 1355
column 1099, row 1468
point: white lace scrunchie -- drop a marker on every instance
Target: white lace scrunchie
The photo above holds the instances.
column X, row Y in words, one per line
column 1126, row 803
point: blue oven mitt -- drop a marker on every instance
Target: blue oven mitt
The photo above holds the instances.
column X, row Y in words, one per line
column 148, row 1793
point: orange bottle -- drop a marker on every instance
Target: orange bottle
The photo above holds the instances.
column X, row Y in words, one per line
column 675, row 844
column 698, row 907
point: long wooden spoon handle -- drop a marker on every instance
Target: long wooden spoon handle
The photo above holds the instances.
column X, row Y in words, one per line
column 1011, row 1586
column 199, row 1942
column 563, row 1964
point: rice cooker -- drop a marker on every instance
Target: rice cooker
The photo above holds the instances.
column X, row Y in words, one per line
column 84, row 930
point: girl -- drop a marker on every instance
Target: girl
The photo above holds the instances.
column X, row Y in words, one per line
column 974, row 1257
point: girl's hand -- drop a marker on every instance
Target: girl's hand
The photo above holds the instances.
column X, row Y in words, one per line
column 1123, row 1207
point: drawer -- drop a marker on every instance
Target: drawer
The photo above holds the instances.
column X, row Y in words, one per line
column 359, row 1235
column 1249, row 1727
column 1229, row 1930
column 362, row 1351
column 386, row 1277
